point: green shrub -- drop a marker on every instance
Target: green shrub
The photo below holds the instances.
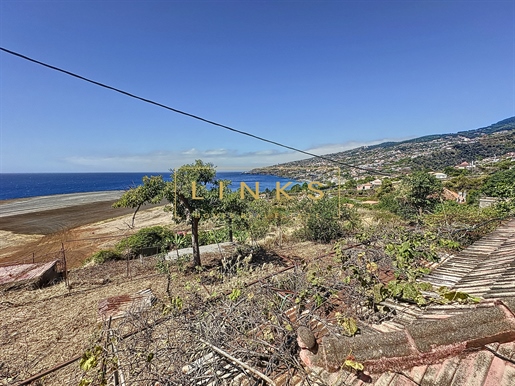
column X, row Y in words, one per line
column 397, row 205
column 213, row 236
column 104, row 255
column 256, row 219
column 500, row 184
column 241, row 236
column 321, row 222
column 180, row 240
column 146, row 241
column 463, row 223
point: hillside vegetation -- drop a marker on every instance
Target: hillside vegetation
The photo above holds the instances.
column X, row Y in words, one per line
column 336, row 256
column 433, row 152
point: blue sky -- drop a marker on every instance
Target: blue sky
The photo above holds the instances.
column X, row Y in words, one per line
column 319, row 76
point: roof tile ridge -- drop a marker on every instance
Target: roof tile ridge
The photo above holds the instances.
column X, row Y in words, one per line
column 425, row 342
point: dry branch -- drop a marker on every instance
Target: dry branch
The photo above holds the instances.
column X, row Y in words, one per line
column 238, row 362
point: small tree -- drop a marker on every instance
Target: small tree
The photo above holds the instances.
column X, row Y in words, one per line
column 423, row 190
column 386, row 188
column 151, row 192
column 193, row 192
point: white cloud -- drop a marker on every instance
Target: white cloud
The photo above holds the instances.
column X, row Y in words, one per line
column 216, row 152
column 190, row 151
column 224, row 159
column 325, row 149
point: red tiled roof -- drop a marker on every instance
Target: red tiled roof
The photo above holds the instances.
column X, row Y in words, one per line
column 486, row 269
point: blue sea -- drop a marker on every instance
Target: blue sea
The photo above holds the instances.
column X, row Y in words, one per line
column 21, row 185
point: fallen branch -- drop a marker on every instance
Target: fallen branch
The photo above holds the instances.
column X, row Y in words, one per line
column 239, row 363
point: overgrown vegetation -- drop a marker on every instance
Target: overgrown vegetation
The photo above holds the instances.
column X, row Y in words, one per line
column 103, row 255
column 381, row 254
column 325, row 220
column 146, row 241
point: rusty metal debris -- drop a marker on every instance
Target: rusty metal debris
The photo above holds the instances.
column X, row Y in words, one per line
column 118, row 306
column 38, row 274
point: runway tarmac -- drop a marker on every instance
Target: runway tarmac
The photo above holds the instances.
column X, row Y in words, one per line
column 50, row 214
column 42, row 203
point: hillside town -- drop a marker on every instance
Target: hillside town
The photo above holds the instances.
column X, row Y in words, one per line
column 476, row 151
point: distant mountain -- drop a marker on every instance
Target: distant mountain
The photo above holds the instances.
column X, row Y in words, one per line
column 505, row 124
column 433, row 152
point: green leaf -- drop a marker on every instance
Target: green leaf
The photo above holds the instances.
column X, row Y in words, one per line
column 425, row 286
column 448, row 296
column 349, row 326
column 395, row 288
column 379, row 293
column 355, row 365
column 88, row 360
column 421, row 301
column 235, row 294
column 410, row 292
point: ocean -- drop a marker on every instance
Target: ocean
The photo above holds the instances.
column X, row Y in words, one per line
column 21, row 185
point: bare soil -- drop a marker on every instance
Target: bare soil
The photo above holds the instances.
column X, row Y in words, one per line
column 40, row 328
column 81, row 229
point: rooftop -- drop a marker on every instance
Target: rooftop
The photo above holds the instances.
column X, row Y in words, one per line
column 442, row 344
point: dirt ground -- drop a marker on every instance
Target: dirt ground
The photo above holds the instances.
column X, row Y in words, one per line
column 40, row 328
column 39, row 235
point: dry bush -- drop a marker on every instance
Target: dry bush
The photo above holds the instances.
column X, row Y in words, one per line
column 175, row 338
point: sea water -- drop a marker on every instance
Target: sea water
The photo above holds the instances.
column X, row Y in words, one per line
column 21, row 185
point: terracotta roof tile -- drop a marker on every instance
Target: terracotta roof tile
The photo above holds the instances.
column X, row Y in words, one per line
column 486, row 269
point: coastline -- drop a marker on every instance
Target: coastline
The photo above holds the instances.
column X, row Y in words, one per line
column 45, row 215
column 17, row 206
column 38, row 227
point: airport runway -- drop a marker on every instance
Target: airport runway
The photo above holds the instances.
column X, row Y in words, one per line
column 42, row 203
column 50, row 214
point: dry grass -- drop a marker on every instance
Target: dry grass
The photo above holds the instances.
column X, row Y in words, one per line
column 46, row 326
column 11, row 239
column 43, row 327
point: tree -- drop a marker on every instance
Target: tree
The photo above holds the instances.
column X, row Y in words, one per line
column 386, row 188
column 500, row 184
column 151, row 192
column 350, row 184
column 193, row 193
column 423, row 190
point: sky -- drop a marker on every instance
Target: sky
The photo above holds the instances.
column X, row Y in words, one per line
column 320, row 76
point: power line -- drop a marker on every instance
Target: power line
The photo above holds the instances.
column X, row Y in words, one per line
column 188, row 114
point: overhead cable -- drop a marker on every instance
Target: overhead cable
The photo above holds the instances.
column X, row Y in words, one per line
column 190, row 115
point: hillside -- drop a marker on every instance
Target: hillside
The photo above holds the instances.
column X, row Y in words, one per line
column 433, row 152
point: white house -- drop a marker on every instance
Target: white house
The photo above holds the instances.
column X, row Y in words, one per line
column 366, row 186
